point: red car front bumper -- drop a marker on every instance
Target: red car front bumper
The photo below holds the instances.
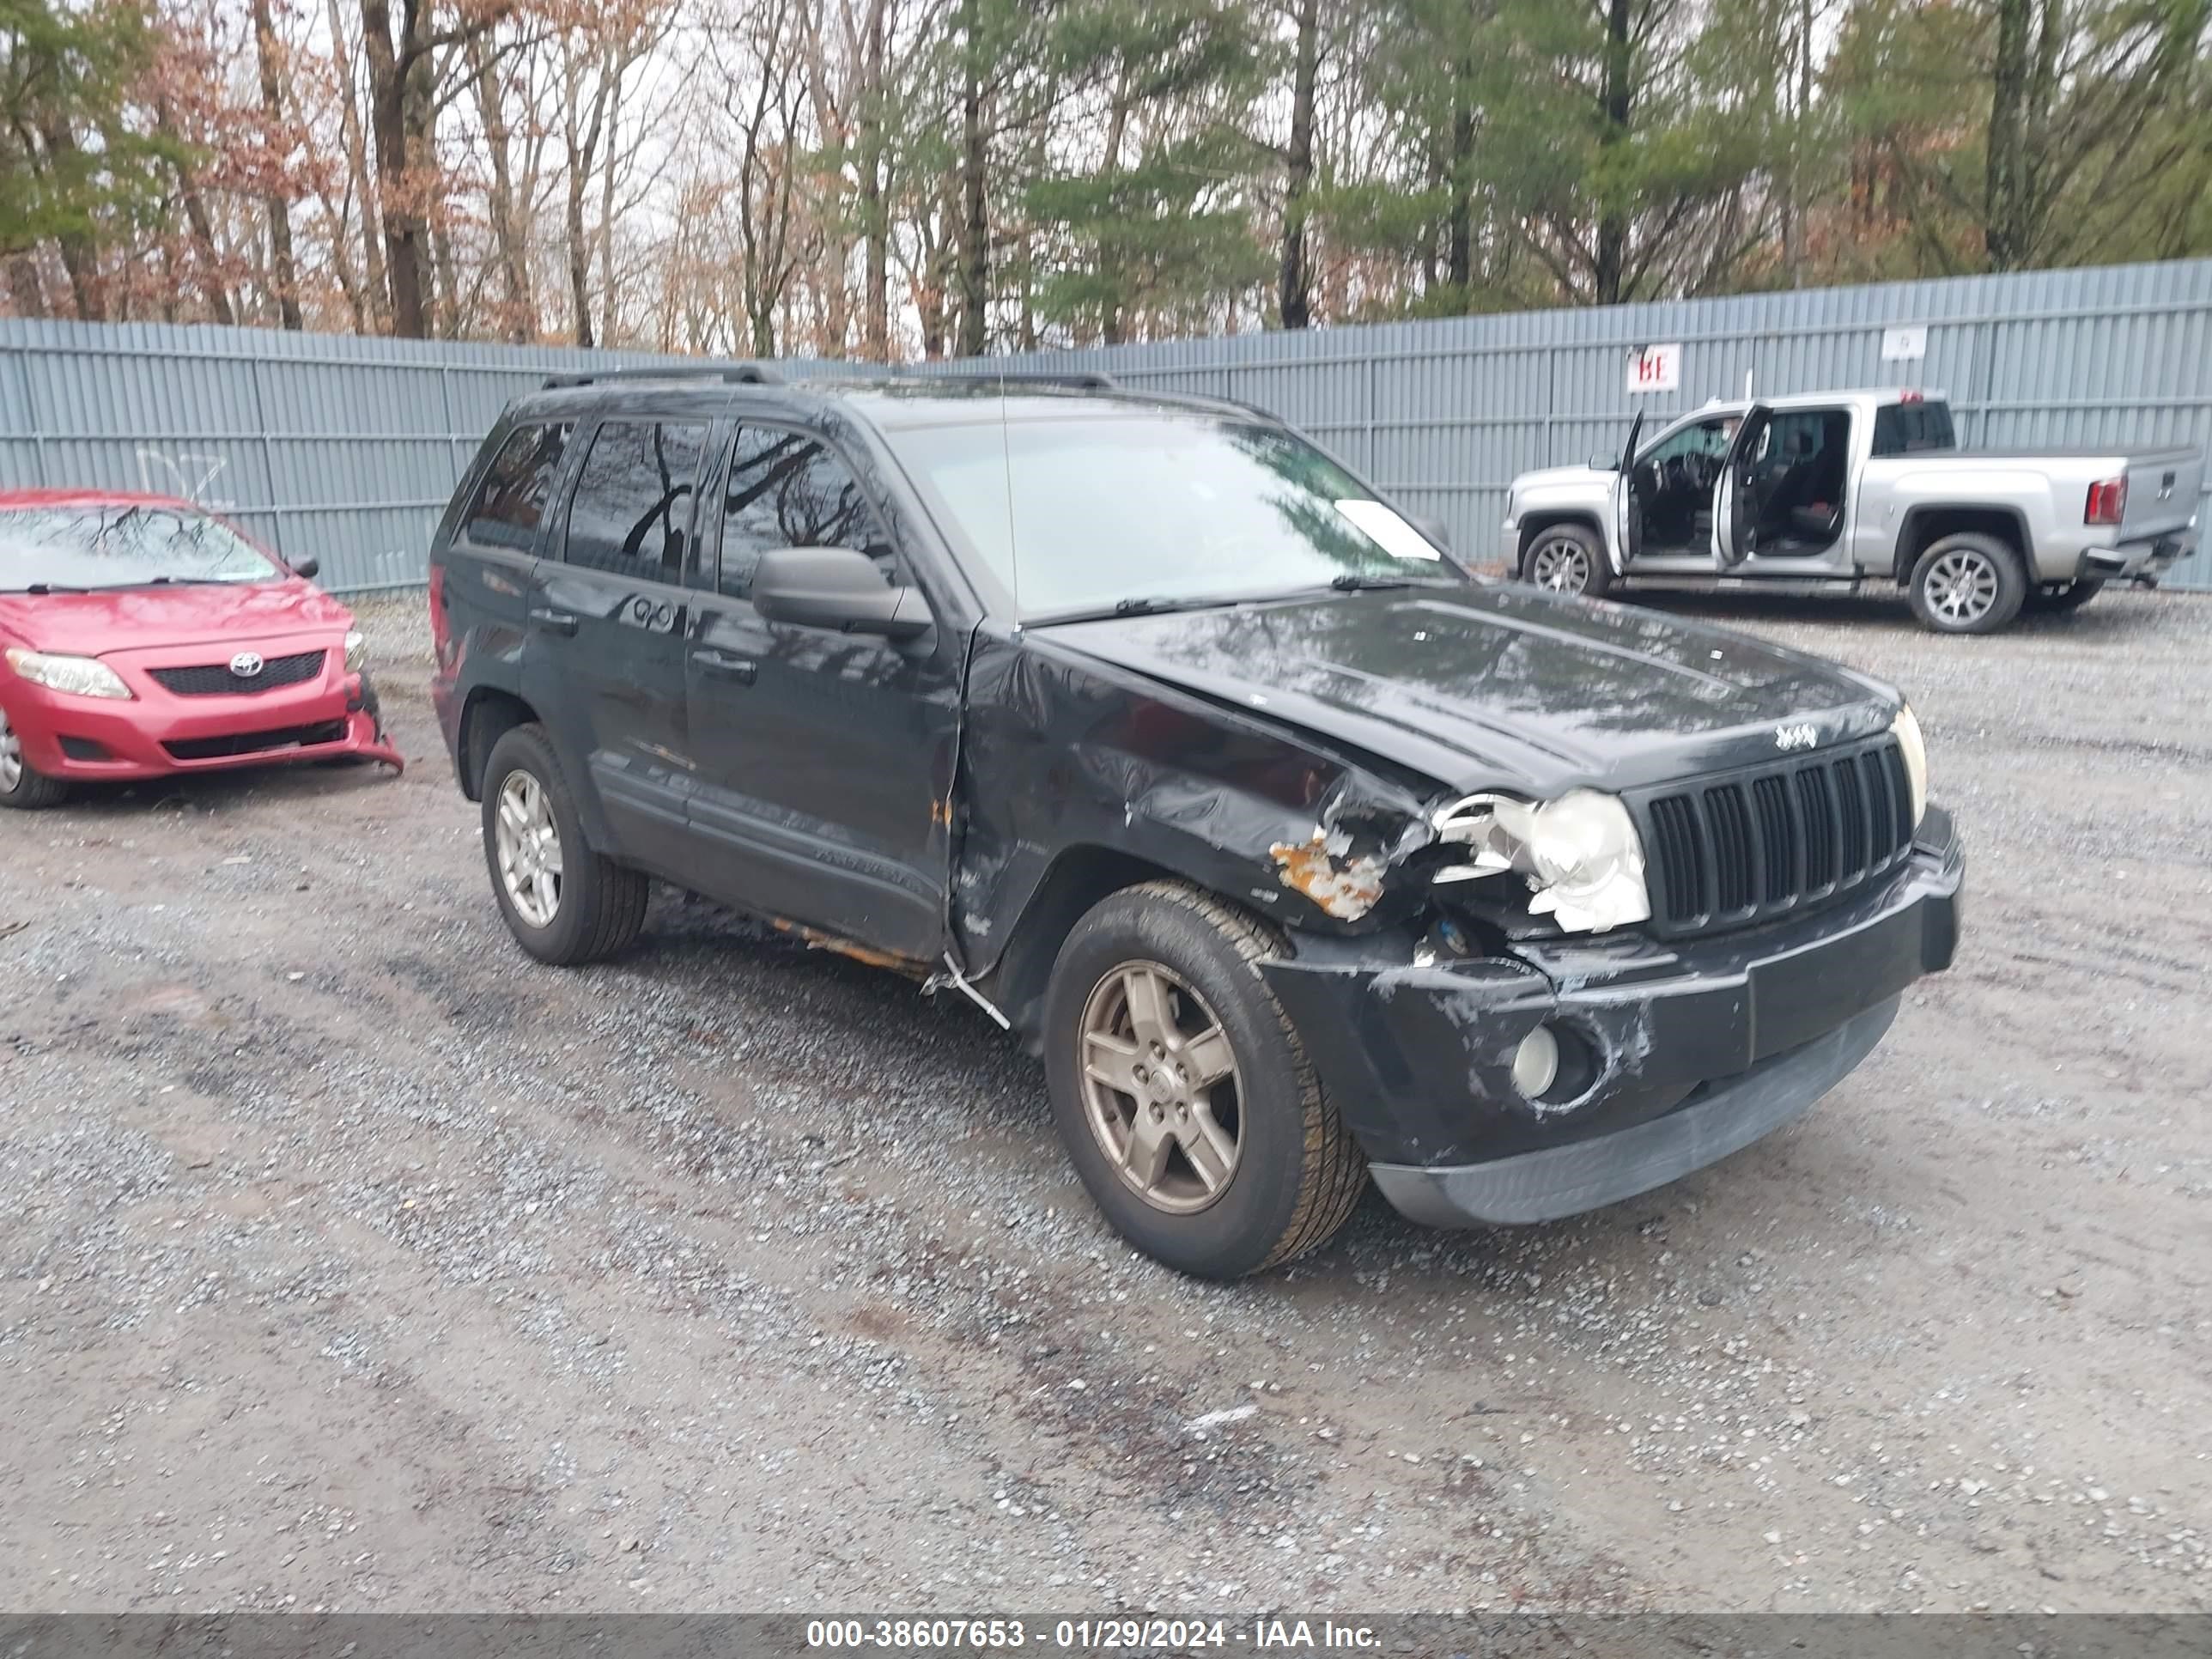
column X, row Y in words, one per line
column 182, row 716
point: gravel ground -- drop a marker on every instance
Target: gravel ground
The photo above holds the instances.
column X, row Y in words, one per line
column 348, row 1260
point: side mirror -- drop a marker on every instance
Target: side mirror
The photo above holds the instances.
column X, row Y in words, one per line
column 1433, row 531
column 835, row 587
column 308, row 569
column 1605, row 462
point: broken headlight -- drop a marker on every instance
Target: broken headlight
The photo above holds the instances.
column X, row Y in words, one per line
column 1906, row 728
column 1580, row 854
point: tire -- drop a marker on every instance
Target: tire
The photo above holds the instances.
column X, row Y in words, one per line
column 20, row 788
column 1567, row 558
column 1295, row 1173
column 596, row 906
column 1967, row 584
column 2072, row 596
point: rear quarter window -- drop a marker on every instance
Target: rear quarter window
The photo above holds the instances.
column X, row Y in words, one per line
column 1912, row 429
column 511, row 501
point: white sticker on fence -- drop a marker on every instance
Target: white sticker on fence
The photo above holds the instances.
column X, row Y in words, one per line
column 1655, row 367
column 1906, row 343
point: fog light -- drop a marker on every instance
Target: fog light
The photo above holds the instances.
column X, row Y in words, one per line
column 1536, row 1062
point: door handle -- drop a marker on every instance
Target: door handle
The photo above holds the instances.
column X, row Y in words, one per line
column 552, row 622
column 721, row 665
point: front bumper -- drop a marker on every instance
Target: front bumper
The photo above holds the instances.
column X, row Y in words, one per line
column 1682, row 1053
column 157, row 733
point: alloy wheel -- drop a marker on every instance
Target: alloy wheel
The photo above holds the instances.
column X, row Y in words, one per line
column 528, row 843
column 1561, row 565
column 1160, row 1087
column 11, row 756
column 1962, row 586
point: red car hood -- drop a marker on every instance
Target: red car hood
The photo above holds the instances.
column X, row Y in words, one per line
column 131, row 619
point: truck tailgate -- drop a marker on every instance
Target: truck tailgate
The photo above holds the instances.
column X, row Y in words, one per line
column 2163, row 485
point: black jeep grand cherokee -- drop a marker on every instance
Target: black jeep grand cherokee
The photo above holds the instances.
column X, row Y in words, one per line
column 1299, row 854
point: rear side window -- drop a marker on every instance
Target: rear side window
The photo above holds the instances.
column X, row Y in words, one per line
column 512, row 499
column 1913, row 429
column 633, row 507
column 786, row 490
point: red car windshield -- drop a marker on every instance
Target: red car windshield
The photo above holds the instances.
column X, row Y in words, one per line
column 88, row 546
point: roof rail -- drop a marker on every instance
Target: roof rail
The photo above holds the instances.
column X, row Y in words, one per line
column 731, row 373
column 1078, row 380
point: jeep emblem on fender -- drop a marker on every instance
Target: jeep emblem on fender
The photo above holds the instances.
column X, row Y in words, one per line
column 245, row 665
column 1795, row 737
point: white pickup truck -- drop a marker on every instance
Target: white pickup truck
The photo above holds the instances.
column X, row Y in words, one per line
column 1842, row 488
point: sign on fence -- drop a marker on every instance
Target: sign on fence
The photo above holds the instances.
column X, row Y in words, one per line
column 1907, row 343
column 1655, row 367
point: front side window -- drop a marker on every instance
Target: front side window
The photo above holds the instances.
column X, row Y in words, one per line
column 632, row 509
column 82, row 548
column 788, row 489
column 1073, row 515
column 1706, row 439
column 511, row 502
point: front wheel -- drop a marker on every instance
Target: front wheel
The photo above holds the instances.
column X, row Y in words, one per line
column 563, row 902
column 1184, row 1098
column 1967, row 584
column 1567, row 558
column 21, row 787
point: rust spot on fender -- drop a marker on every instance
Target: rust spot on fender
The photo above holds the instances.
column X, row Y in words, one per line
column 1346, row 888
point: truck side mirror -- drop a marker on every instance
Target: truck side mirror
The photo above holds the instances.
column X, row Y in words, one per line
column 835, row 587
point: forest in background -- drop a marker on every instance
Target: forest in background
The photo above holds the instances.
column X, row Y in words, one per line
column 894, row 179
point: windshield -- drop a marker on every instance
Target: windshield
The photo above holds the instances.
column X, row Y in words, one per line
column 1081, row 516
column 117, row 545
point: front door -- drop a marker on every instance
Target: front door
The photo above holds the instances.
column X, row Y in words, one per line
column 605, row 661
column 824, row 758
column 1628, row 502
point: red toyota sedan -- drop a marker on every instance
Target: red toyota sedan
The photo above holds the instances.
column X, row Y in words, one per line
column 140, row 636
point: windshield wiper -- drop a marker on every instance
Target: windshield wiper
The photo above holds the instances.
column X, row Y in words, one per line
column 1139, row 604
column 186, row 581
column 38, row 590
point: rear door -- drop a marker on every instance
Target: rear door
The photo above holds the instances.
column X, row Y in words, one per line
column 824, row 758
column 1735, row 503
column 605, row 662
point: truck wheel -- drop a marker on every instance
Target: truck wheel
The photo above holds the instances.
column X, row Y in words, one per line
column 563, row 902
column 1967, row 584
column 2072, row 596
column 20, row 787
column 1567, row 558
column 1185, row 1098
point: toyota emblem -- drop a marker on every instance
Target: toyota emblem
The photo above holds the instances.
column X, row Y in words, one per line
column 246, row 663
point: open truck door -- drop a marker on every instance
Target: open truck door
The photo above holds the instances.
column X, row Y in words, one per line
column 1735, row 498
column 1627, row 508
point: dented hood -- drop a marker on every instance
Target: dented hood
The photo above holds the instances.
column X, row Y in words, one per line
column 1500, row 686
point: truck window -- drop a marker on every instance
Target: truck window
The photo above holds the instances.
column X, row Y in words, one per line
column 510, row 502
column 1706, row 439
column 1912, row 429
column 788, row 489
column 632, row 509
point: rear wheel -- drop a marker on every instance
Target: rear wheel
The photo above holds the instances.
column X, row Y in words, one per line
column 2072, row 596
column 1184, row 1098
column 563, row 902
column 1967, row 584
column 1567, row 558
column 20, row 785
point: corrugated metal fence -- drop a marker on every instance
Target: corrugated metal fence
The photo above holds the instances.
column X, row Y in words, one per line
column 347, row 447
